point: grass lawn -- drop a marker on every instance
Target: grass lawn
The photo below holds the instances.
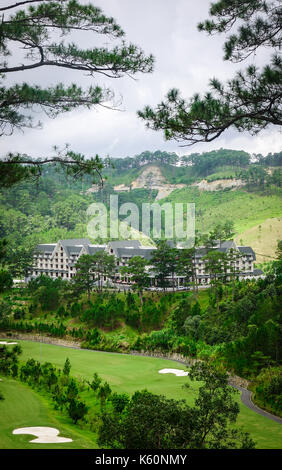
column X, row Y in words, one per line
column 263, row 238
column 22, row 407
column 127, row 373
column 245, row 209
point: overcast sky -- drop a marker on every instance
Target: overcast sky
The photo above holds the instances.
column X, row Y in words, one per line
column 184, row 59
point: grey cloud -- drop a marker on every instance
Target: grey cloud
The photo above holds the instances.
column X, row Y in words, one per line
column 185, row 59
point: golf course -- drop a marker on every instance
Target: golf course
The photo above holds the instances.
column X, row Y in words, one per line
column 24, row 407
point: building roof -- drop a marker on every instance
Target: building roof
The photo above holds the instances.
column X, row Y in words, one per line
column 94, row 249
column 258, row 272
column 74, row 245
column 125, row 244
column 247, row 250
column 228, row 244
column 73, row 249
column 75, row 241
column 130, row 252
column 46, row 248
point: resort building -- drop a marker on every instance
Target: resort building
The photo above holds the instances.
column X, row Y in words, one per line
column 59, row 259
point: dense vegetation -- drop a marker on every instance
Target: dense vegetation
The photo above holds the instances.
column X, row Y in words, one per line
column 55, row 207
column 237, row 325
column 238, row 328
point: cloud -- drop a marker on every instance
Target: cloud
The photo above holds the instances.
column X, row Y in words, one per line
column 185, row 59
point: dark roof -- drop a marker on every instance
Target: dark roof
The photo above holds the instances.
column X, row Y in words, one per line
column 247, row 250
column 125, row 244
column 130, row 252
column 94, row 249
column 73, row 250
column 227, row 244
column 74, row 245
column 75, row 241
column 200, row 252
column 45, row 248
column 258, row 272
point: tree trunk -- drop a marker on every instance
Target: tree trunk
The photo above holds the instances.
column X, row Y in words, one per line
column 141, row 297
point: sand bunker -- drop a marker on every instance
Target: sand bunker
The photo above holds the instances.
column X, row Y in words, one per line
column 5, row 342
column 177, row 372
column 44, row 435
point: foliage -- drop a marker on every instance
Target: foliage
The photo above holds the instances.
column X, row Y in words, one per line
column 136, row 269
column 268, row 386
column 5, row 309
column 251, row 100
column 67, row 367
column 92, row 269
column 77, row 410
column 33, row 28
column 164, row 263
column 151, row 421
column 6, row 280
column 208, row 162
column 9, row 359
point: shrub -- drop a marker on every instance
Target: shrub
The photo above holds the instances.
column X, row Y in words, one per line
column 6, row 280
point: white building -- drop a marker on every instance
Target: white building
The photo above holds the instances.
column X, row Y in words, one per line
column 59, row 259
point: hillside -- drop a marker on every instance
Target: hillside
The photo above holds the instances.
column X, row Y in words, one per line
column 223, row 184
column 263, row 238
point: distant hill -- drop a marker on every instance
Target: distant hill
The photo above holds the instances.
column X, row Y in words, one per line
column 224, row 185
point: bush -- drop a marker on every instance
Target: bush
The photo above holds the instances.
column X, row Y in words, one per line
column 19, row 314
column 77, row 410
column 5, row 309
column 268, row 389
column 6, row 280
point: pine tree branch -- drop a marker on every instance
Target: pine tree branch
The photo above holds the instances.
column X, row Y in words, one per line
column 24, row 3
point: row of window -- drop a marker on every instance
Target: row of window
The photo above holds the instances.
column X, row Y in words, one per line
column 54, row 274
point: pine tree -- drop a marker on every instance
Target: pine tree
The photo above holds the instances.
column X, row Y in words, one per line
column 136, row 269
column 251, row 100
column 40, row 28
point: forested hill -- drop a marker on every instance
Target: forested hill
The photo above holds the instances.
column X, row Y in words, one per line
column 224, row 184
column 187, row 169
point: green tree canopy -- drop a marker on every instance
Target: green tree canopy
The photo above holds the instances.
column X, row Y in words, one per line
column 136, row 269
column 251, row 100
column 40, row 28
column 151, row 421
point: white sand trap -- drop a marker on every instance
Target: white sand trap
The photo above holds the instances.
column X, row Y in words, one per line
column 177, row 372
column 44, row 435
column 5, row 342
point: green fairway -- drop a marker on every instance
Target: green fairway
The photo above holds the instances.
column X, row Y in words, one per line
column 126, row 373
column 22, row 407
